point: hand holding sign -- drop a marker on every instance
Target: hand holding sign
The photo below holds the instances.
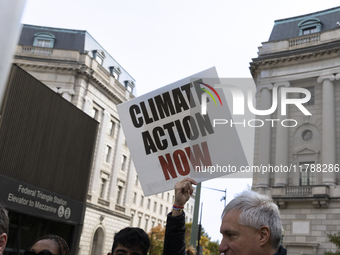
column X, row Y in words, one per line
column 183, row 191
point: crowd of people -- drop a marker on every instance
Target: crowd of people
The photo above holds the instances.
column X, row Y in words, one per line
column 250, row 225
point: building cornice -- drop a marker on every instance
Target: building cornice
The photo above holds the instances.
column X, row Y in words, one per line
column 80, row 69
column 293, row 55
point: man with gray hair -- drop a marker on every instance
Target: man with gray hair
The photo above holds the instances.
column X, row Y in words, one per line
column 4, row 224
column 251, row 224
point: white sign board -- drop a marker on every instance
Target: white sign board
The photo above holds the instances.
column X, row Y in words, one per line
column 170, row 138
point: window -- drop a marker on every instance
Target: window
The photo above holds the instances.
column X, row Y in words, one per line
column 166, row 211
column 132, row 217
column 192, row 210
column 141, row 200
column 115, row 71
column 45, row 40
column 44, row 43
column 306, row 176
column 99, row 56
column 129, row 85
column 160, row 209
column 102, row 187
column 107, row 153
column 168, row 196
column 119, row 194
column 309, row 26
column 146, row 224
column 123, row 163
column 312, row 96
column 307, row 135
column 163, row 195
column 155, row 206
column 309, row 31
column 139, row 220
column 111, row 128
column 149, row 202
column 134, row 197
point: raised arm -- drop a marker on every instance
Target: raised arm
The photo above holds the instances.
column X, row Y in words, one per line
column 175, row 227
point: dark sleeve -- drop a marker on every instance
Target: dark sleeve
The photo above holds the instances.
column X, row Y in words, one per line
column 174, row 243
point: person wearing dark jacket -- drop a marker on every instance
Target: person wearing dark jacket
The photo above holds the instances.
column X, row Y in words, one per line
column 251, row 224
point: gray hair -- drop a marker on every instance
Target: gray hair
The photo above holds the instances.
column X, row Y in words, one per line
column 4, row 222
column 256, row 211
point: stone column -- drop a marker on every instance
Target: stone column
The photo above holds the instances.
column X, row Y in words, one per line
column 88, row 105
column 99, row 153
column 328, row 128
column 264, row 137
column 282, row 139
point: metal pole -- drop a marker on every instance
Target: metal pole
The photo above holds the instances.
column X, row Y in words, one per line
column 199, row 232
column 194, row 228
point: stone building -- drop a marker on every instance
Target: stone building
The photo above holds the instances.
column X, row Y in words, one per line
column 76, row 66
column 302, row 52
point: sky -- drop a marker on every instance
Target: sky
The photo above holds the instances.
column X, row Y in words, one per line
column 160, row 42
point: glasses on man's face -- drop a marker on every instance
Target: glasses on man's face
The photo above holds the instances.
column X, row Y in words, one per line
column 40, row 253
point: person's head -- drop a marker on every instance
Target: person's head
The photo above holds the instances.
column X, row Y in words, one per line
column 131, row 241
column 49, row 244
column 251, row 224
column 4, row 224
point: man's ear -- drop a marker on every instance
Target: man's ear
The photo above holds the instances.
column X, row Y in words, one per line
column 264, row 235
column 3, row 241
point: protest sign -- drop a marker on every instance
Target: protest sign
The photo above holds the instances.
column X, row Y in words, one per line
column 171, row 133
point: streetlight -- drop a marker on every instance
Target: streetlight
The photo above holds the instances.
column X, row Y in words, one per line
column 225, row 194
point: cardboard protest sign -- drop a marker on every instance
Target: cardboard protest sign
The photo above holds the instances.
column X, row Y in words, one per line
column 171, row 133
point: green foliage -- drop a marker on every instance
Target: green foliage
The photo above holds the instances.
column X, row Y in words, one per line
column 213, row 247
column 209, row 247
column 335, row 239
column 157, row 234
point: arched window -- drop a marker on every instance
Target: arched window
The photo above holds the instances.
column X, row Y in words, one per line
column 98, row 241
column 44, row 39
column 309, row 26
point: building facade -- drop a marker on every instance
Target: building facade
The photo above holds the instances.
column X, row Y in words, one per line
column 302, row 52
column 78, row 68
